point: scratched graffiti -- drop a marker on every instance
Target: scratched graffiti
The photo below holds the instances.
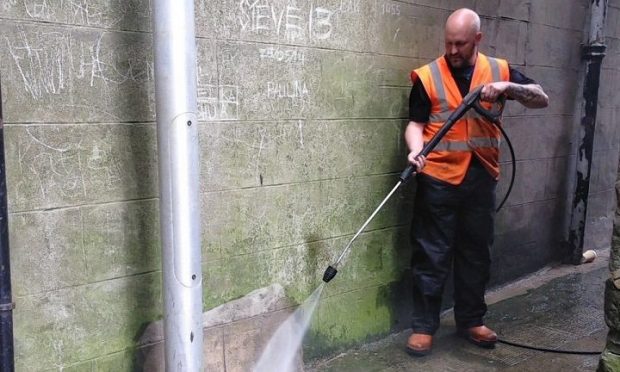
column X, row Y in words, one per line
column 40, row 9
column 52, row 167
column 216, row 101
column 42, row 70
column 292, row 90
column 50, row 62
column 350, row 6
column 83, row 12
column 265, row 17
column 57, row 164
column 390, row 9
column 283, row 55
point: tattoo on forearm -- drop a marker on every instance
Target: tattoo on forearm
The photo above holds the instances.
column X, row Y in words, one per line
column 521, row 93
column 529, row 95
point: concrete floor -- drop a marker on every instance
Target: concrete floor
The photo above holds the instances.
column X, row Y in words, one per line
column 556, row 308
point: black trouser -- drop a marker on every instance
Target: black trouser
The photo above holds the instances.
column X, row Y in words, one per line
column 452, row 229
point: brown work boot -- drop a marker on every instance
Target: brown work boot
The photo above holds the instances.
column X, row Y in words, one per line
column 480, row 336
column 419, row 344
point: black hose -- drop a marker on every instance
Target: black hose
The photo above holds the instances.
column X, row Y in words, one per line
column 558, row 351
column 514, row 166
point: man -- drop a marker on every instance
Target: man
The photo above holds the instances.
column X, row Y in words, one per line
column 454, row 213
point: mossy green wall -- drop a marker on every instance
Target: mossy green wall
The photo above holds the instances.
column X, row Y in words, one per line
column 302, row 106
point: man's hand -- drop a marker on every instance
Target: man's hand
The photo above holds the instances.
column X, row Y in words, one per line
column 491, row 92
column 529, row 95
column 419, row 161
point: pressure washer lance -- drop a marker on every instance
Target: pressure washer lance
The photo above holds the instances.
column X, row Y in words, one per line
column 471, row 100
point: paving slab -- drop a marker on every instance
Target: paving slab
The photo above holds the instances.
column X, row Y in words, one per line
column 559, row 308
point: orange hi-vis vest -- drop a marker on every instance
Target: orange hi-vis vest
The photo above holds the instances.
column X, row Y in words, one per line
column 470, row 135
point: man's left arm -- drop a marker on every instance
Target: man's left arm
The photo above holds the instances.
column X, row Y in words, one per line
column 529, row 95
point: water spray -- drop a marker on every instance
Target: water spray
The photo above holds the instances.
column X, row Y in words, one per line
column 471, row 100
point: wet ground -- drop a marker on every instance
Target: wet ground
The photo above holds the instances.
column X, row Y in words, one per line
column 558, row 308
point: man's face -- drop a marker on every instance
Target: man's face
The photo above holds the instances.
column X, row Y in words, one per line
column 461, row 46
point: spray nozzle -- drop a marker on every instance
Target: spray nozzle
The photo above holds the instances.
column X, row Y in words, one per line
column 329, row 273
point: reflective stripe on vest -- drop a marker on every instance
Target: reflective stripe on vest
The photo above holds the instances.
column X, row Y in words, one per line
column 438, row 81
column 494, row 68
column 473, row 143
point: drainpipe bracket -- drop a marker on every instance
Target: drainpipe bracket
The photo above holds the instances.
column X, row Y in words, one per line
column 593, row 51
column 7, row 307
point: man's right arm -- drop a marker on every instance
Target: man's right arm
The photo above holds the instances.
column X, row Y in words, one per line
column 419, row 114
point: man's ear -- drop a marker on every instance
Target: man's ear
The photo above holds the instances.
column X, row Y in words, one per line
column 478, row 37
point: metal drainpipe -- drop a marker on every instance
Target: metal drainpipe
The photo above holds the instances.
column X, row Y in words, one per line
column 174, row 47
column 592, row 54
column 7, row 362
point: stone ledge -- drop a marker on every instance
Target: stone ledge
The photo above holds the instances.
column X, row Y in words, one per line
column 234, row 334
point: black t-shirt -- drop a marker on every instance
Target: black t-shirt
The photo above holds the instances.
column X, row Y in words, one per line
column 420, row 103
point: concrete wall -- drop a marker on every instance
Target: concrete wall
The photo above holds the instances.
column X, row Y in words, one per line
column 532, row 226
column 302, row 107
column 601, row 207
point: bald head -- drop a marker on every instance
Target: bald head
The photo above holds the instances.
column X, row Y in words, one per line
column 462, row 37
column 463, row 20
